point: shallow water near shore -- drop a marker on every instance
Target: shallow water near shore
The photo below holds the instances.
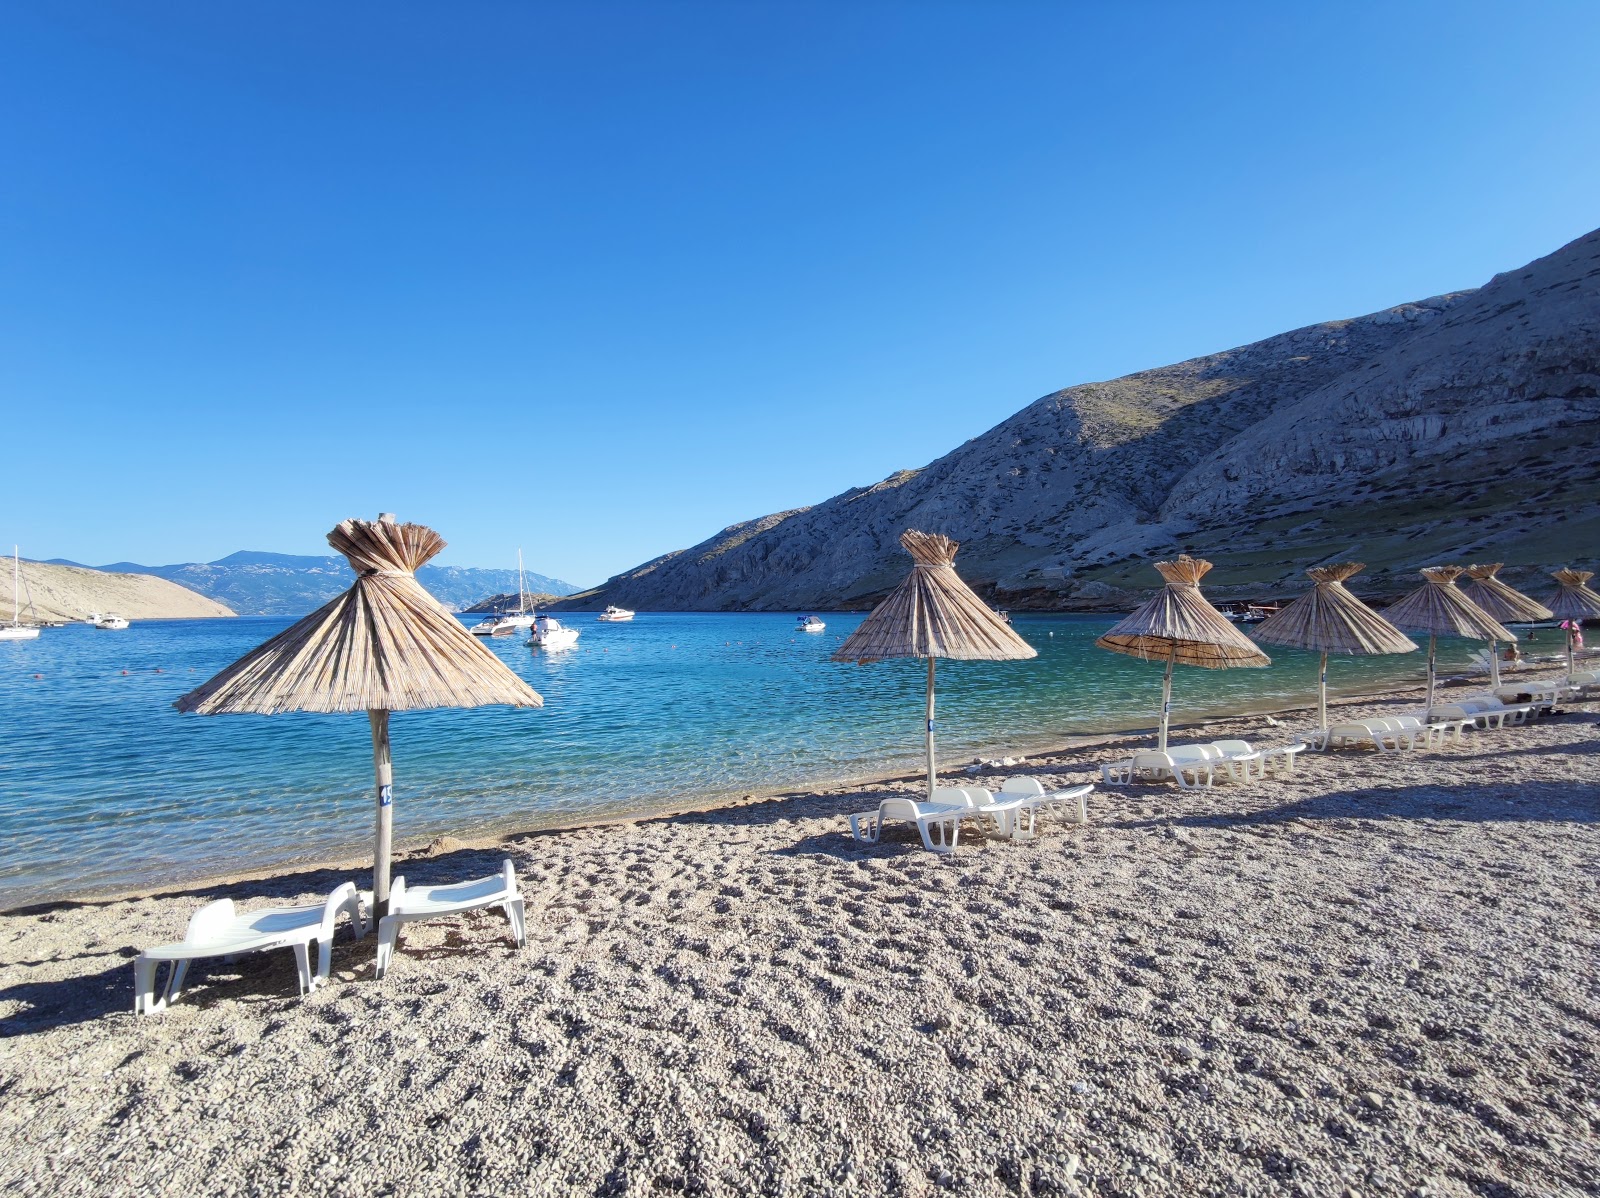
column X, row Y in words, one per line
column 104, row 786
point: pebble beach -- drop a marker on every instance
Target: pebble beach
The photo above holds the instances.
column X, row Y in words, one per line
column 1378, row 975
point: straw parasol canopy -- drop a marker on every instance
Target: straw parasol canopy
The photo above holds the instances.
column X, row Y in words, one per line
column 384, row 645
column 1439, row 608
column 1179, row 626
column 1574, row 601
column 1329, row 619
column 933, row 614
column 1501, row 602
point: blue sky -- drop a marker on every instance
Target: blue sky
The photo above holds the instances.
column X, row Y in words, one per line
column 597, row 279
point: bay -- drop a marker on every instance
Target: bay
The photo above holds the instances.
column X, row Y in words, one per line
column 104, row 786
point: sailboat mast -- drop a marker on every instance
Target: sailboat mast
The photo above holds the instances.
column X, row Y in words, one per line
column 16, row 584
column 522, row 587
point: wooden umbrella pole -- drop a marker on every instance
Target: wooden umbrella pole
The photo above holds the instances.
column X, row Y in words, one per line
column 1572, row 637
column 383, row 768
column 1322, row 693
column 1433, row 641
column 1494, row 664
column 1166, row 700
column 933, row 780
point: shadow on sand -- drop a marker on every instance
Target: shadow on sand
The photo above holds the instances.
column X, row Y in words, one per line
column 253, row 977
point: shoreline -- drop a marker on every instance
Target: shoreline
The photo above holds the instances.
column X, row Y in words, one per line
column 481, row 836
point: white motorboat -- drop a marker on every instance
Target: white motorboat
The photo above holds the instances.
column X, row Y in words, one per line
column 111, row 621
column 809, row 624
column 17, row 630
column 615, row 615
column 504, row 623
column 551, row 633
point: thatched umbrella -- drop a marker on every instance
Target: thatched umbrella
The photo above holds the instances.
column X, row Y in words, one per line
column 1179, row 626
column 1438, row 608
column 1329, row 619
column 1575, row 601
column 933, row 614
column 384, row 645
column 1502, row 602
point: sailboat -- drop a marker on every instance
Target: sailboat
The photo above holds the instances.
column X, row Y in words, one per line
column 17, row 630
column 505, row 623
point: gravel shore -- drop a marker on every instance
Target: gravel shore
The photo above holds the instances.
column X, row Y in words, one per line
column 1380, row 975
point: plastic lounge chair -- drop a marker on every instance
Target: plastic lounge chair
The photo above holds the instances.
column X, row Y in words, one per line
column 1541, row 696
column 216, row 931
column 1452, row 721
column 1429, row 735
column 1472, row 710
column 1011, row 814
column 1074, row 798
column 1188, row 765
column 1238, row 757
column 1515, row 713
column 1282, row 753
column 1350, row 733
column 938, row 821
column 1195, row 765
column 407, row 904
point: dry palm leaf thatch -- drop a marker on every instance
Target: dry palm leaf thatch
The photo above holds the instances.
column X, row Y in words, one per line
column 933, row 614
column 1439, row 608
column 384, row 645
column 1499, row 600
column 1574, row 603
column 1329, row 619
column 1575, row 600
column 1180, row 627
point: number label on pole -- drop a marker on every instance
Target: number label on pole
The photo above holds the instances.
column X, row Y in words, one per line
column 385, row 795
column 930, row 725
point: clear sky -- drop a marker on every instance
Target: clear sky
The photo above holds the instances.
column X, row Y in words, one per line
column 598, row 279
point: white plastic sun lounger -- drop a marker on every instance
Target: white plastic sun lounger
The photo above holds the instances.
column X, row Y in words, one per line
column 1285, row 754
column 408, row 904
column 1236, row 759
column 1189, row 766
column 1074, row 799
column 215, row 931
column 938, row 820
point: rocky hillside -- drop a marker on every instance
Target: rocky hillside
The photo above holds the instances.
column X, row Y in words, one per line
column 72, row 592
column 1462, row 427
column 284, row 584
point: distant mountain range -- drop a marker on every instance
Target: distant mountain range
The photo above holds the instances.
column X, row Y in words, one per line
column 1461, row 428
column 285, row 584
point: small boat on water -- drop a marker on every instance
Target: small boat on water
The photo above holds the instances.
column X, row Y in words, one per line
column 17, row 630
column 504, row 623
column 551, row 633
column 1005, row 616
column 111, row 621
column 615, row 615
column 809, row 624
column 1248, row 613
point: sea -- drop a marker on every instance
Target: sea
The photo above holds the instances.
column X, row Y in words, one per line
column 105, row 787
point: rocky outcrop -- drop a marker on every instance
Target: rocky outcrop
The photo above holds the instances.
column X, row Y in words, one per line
column 72, row 592
column 1462, row 426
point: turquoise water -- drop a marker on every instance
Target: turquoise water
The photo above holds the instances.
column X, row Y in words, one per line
column 104, row 786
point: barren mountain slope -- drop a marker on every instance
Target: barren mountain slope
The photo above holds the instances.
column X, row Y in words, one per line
column 72, row 592
column 1460, row 426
